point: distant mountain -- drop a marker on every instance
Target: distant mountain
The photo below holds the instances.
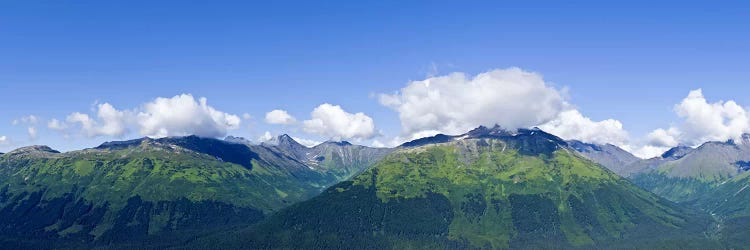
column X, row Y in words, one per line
column 489, row 188
column 288, row 145
column 609, row 156
column 341, row 159
column 685, row 174
column 158, row 191
column 681, row 173
column 713, row 177
column 30, row 151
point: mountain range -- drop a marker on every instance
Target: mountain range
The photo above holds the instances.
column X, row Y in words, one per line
column 487, row 188
column 712, row 177
column 144, row 189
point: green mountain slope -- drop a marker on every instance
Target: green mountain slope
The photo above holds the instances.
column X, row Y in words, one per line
column 729, row 202
column 713, row 177
column 145, row 191
column 486, row 189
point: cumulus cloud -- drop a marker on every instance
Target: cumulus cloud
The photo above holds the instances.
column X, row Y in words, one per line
column 4, row 140
column 455, row 103
column 332, row 121
column 514, row 98
column 184, row 115
column 572, row 125
column 663, row 138
column 109, row 121
column 265, row 137
column 306, row 142
column 647, row 151
column 378, row 144
column 175, row 116
column 656, row 143
column 278, row 116
column 705, row 121
column 701, row 121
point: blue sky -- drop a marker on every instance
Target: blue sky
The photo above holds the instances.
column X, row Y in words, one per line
column 631, row 62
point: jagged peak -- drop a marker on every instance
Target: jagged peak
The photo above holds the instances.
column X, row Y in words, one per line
column 285, row 138
column 496, row 132
column 283, row 141
column 486, row 131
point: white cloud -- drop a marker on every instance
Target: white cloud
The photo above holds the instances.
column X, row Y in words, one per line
column 705, row 121
column 278, row 116
column 183, row 115
column 4, row 140
column 247, row 116
column 176, row 116
column 333, row 122
column 514, row 98
column 306, row 142
column 378, row 144
column 663, row 137
column 648, row 151
column 701, row 121
column 111, row 122
column 453, row 104
column 265, row 137
column 572, row 125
